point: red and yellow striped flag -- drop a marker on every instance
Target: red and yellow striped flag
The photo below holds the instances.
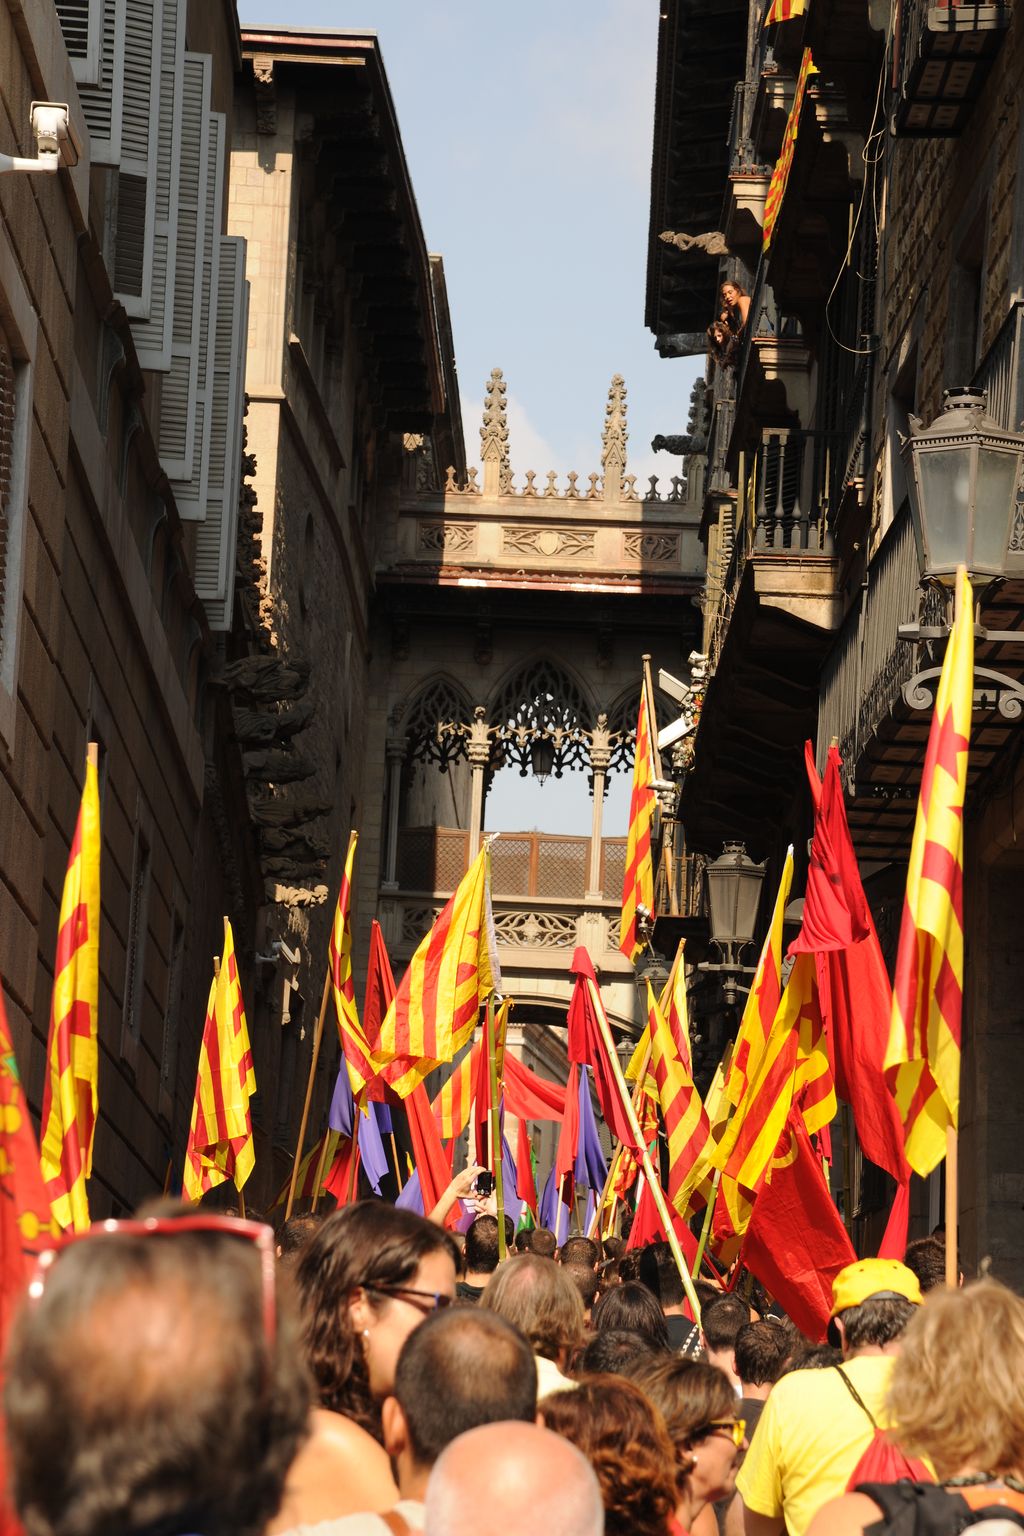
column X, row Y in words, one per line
column 354, row 1044
column 672, row 1003
column 220, row 1142
column 784, row 10
column 686, row 1124
column 783, row 165
column 762, row 1003
column 306, row 1181
column 794, row 1069
column 638, row 885
column 70, row 1093
column 451, row 1106
column 922, row 1062
column 435, row 1010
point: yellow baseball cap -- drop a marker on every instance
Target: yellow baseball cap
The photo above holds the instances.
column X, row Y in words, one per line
column 873, row 1279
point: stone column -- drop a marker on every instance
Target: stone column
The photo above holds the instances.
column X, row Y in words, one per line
column 395, row 753
column 479, row 755
column 600, row 756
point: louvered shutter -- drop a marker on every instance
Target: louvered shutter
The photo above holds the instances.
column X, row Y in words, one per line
column 217, row 535
column 136, row 181
column 101, row 95
column 80, row 23
column 153, row 334
column 177, row 399
column 190, row 487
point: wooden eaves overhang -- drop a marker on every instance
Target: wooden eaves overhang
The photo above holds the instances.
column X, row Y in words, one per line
column 362, row 179
column 701, row 58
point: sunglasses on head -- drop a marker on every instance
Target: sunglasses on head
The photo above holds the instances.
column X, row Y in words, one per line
column 253, row 1232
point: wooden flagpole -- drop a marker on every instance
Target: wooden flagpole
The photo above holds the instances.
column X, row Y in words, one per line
column 495, row 1128
column 398, row 1170
column 705, row 1231
column 317, row 1037
column 318, row 1182
column 656, row 1190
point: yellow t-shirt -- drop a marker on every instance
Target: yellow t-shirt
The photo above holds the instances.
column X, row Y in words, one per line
column 809, row 1438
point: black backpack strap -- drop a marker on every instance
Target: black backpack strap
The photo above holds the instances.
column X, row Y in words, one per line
column 921, row 1509
column 856, row 1396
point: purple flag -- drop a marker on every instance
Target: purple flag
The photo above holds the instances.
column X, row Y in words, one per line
column 552, row 1213
column 339, row 1116
column 591, row 1170
column 513, row 1205
column 411, row 1199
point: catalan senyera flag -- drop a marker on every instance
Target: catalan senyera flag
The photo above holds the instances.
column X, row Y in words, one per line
column 783, row 165
column 220, row 1144
column 27, row 1225
column 672, row 1003
column 455, row 968
column 452, row 1104
column 784, row 10
column 762, row 1003
column 305, row 1187
column 794, row 1070
column 638, row 885
column 70, row 1093
column 354, row 1044
column 686, row 1124
column 922, row 1062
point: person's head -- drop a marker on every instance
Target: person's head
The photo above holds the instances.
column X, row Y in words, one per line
column 632, row 1308
column 541, row 1301
column 872, row 1303
column 720, row 1322
column 629, row 1265
column 366, row 1279
column 580, row 1250
column 659, row 1273
column 154, row 1383
column 760, row 1353
column 609, row 1353
column 926, row 1258
column 587, row 1282
column 732, row 292
column 460, row 1368
column 623, row 1436
column 477, row 1486
column 481, row 1251
column 698, row 1404
column 293, row 1235
column 542, row 1243
column 613, row 1247
column 957, row 1386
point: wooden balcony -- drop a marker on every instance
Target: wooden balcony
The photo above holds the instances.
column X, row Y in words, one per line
column 945, row 54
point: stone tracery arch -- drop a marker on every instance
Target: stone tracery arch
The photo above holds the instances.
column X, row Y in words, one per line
column 436, row 702
column 541, row 696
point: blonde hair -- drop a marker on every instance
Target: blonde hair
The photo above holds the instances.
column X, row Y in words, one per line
column 957, row 1389
column 538, row 1297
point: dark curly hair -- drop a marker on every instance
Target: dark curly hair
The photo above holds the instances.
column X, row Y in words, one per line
column 366, row 1244
column 624, row 1438
column 142, row 1394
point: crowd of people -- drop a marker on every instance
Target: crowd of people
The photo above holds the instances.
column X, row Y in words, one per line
column 365, row 1372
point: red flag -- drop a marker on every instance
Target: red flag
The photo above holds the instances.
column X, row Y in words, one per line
column 432, row 1162
column 795, row 1243
column 526, row 1185
column 380, row 989
column 853, row 984
column 648, row 1227
column 529, row 1096
column 894, row 1238
column 569, row 1139
column 586, row 1045
column 338, row 1181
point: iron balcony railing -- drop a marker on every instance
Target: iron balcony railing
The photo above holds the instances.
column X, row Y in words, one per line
column 1001, row 372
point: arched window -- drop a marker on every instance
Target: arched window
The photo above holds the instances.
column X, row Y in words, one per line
column 439, row 703
column 540, row 696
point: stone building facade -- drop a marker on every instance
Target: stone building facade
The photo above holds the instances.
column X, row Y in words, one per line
column 894, row 270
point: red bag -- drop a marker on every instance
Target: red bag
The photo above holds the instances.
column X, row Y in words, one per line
column 883, row 1461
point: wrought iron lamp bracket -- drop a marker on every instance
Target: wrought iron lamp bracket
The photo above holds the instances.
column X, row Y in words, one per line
column 992, row 690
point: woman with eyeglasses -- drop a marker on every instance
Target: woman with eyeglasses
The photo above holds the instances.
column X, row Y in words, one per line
column 698, row 1404
column 365, row 1280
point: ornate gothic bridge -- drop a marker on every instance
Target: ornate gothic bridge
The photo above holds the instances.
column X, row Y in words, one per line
column 512, row 618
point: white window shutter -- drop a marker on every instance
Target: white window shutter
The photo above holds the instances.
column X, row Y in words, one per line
column 190, row 487
column 101, row 96
column 140, row 108
column 153, row 334
column 178, row 387
column 217, row 535
column 80, row 21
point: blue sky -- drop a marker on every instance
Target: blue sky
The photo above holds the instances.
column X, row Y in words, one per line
column 528, row 129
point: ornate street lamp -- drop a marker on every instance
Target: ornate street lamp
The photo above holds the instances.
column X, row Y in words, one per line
column 734, row 895
column 542, row 757
column 962, row 474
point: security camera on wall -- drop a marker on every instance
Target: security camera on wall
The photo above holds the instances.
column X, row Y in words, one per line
column 55, row 140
